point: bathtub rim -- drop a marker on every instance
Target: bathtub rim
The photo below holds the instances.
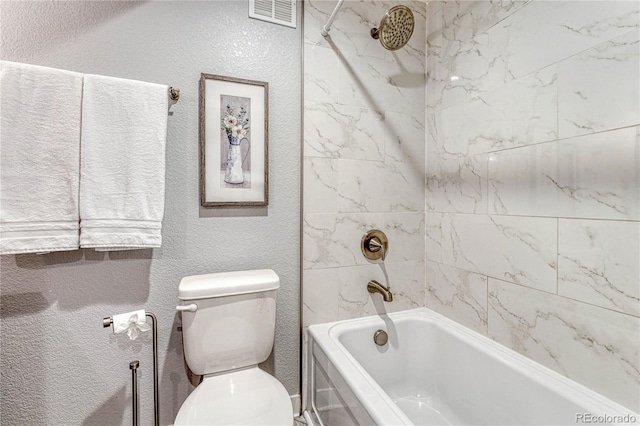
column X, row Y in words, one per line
column 384, row 411
column 373, row 398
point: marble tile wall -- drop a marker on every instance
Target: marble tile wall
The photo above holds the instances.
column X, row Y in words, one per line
column 364, row 150
column 532, row 217
column 523, row 146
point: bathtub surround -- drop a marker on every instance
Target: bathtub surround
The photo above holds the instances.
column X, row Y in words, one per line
column 58, row 365
column 363, row 161
column 531, row 151
column 533, row 191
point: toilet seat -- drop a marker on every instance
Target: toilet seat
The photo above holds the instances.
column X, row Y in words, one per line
column 244, row 397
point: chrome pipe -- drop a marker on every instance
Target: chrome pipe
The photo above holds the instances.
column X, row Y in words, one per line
column 327, row 27
column 133, row 365
column 156, row 399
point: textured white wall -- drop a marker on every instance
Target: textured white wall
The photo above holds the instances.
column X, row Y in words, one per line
column 58, row 365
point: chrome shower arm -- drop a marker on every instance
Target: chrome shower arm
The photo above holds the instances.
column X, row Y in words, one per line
column 327, row 27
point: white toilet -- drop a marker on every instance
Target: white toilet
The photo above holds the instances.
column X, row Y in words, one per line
column 228, row 324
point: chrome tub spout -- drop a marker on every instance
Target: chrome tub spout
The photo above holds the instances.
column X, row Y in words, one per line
column 375, row 287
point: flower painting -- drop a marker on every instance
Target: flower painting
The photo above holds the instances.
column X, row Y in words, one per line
column 234, row 133
column 235, row 156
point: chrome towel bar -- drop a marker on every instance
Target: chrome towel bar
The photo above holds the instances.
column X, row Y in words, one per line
column 174, row 95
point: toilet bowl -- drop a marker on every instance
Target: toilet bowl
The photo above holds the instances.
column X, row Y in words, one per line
column 245, row 397
column 228, row 325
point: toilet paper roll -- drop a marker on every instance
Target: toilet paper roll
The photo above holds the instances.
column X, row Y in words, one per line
column 131, row 323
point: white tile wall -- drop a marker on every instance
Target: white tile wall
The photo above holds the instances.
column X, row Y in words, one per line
column 533, row 181
column 320, row 185
column 406, row 232
column 592, row 176
column 404, row 137
column 433, row 237
column 598, row 88
column 320, row 87
column 364, row 161
column 361, row 186
column 456, row 184
column 521, row 112
column 333, row 240
column 381, row 84
column 321, row 295
column 599, row 263
column 342, row 131
column 405, row 280
column 542, row 33
column 465, row 20
column 458, row 294
column 594, row 346
column 518, row 249
column 507, row 176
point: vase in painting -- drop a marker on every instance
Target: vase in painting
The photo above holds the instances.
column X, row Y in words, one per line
column 233, row 172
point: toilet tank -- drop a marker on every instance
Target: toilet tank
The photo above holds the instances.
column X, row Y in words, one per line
column 234, row 322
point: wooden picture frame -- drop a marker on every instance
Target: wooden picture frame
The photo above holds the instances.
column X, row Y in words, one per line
column 234, row 133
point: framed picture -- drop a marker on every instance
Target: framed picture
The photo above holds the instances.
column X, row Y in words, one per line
column 233, row 142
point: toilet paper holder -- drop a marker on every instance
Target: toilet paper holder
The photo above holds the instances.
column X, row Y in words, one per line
column 107, row 322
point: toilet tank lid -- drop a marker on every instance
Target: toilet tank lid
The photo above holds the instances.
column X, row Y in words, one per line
column 227, row 284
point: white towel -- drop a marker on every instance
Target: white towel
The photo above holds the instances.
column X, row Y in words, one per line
column 39, row 158
column 122, row 164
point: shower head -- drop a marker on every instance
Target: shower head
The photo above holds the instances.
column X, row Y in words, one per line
column 395, row 28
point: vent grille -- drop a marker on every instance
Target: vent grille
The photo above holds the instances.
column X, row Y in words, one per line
column 263, row 8
column 281, row 12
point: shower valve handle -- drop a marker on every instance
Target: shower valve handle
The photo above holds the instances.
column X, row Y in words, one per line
column 375, row 245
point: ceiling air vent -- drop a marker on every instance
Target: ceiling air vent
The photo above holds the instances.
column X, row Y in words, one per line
column 281, row 12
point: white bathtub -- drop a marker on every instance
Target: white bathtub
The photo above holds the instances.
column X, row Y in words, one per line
column 434, row 371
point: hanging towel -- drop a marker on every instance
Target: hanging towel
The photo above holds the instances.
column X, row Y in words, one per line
column 39, row 158
column 122, row 164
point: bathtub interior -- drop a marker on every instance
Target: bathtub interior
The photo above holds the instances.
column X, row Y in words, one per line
column 436, row 377
column 439, row 373
column 404, row 367
column 405, row 363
